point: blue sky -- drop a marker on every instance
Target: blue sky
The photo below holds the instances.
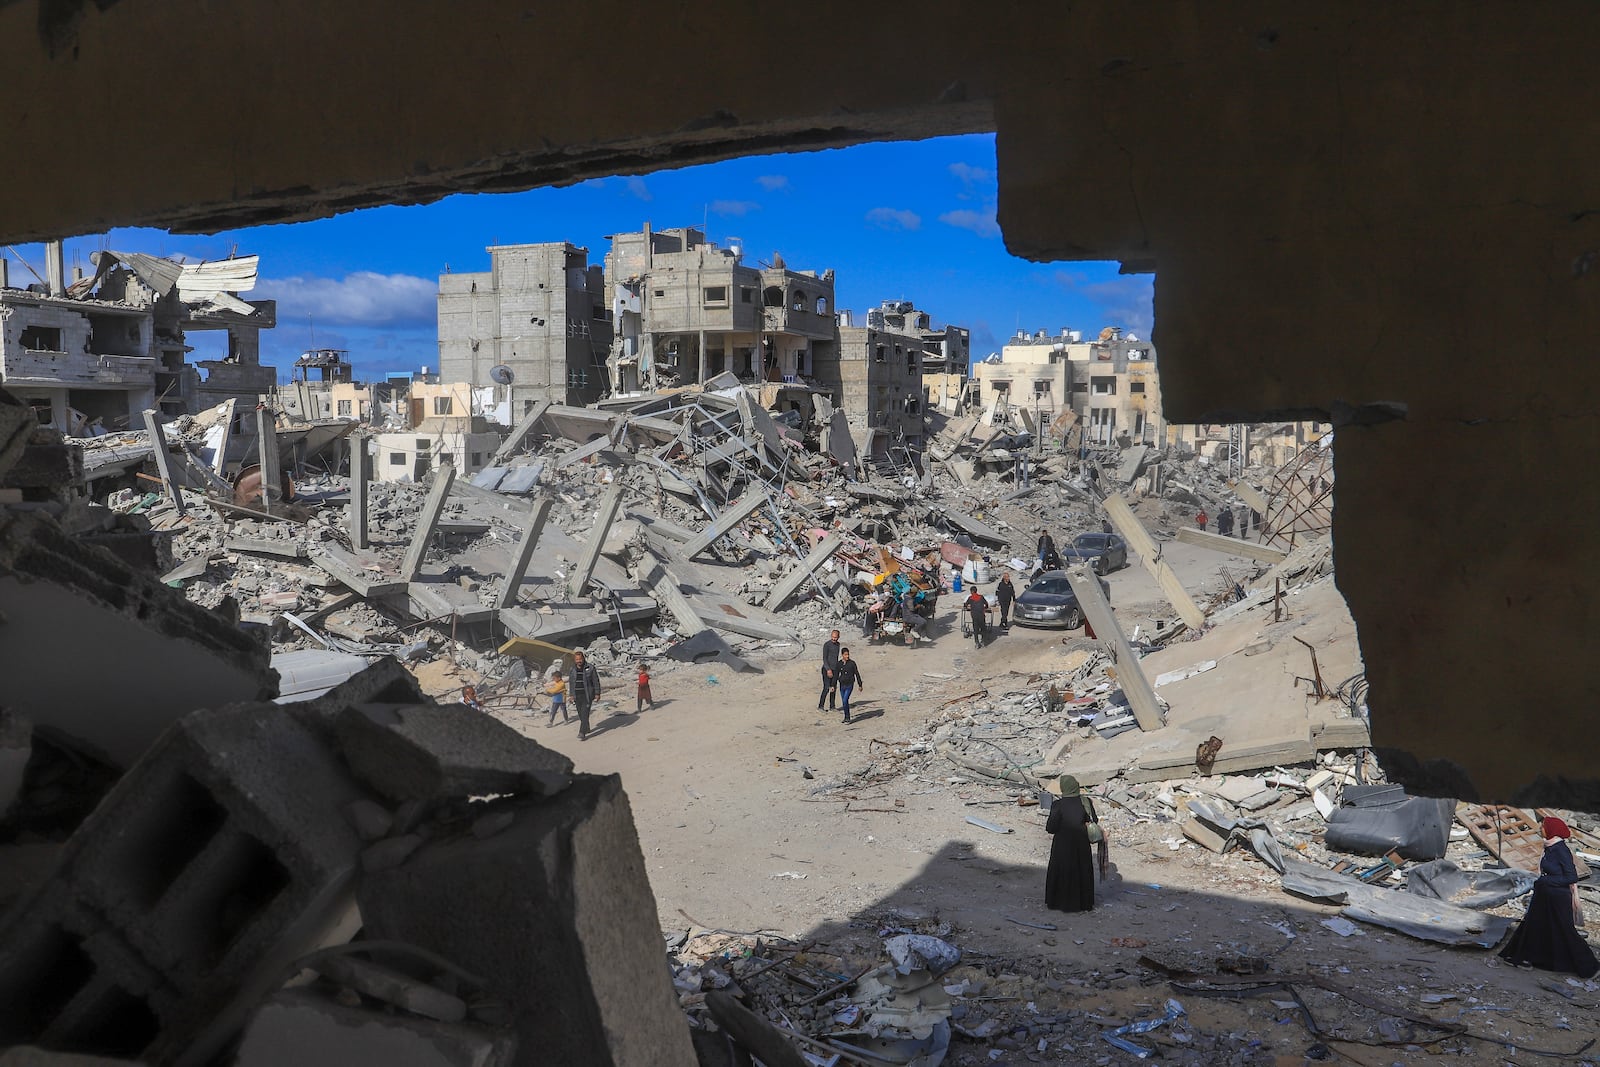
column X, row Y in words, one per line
column 905, row 220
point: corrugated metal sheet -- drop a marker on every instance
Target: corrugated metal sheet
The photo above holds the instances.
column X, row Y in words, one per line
column 221, row 276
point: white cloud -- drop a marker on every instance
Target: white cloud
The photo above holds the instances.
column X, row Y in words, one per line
column 888, row 218
column 1127, row 301
column 970, row 175
column 773, row 182
column 733, row 207
column 362, row 298
column 636, row 187
column 981, row 223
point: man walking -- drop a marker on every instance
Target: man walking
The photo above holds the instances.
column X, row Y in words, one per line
column 1225, row 522
column 1004, row 593
column 585, row 689
column 849, row 678
column 830, row 668
column 978, row 608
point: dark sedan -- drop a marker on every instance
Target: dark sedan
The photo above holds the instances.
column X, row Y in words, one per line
column 1049, row 601
column 1107, row 552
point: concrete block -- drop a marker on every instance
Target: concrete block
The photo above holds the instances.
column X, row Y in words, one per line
column 556, row 913
column 301, row 1028
column 433, row 752
column 215, row 861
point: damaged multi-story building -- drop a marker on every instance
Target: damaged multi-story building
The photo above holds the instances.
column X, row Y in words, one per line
column 1111, row 383
column 535, row 322
column 91, row 355
column 687, row 310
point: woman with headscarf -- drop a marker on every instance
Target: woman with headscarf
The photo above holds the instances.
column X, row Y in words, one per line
column 1548, row 937
column 1069, row 882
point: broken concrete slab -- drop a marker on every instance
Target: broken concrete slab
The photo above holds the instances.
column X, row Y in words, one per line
column 605, row 515
column 435, row 598
column 1232, row 546
column 979, row 530
column 753, row 500
column 59, row 594
column 364, row 574
column 567, row 875
column 538, row 515
column 303, row 1028
column 1132, row 463
column 433, row 752
column 802, row 572
column 277, row 547
column 1139, row 541
column 519, row 433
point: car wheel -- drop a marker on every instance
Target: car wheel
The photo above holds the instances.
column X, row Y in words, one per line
column 1102, row 566
column 1075, row 617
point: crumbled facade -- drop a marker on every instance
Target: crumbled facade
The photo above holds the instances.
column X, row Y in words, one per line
column 539, row 312
column 1111, row 383
column 685, row 310
column 444, row 429
column 92, row 355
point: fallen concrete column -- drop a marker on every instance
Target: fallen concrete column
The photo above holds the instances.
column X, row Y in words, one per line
column 519, row 433
column 665, row 588
column 427, row 521
column 537, row 517
column 1140, row 541
column 158, row 448
column 791, row 583
column 1253, row 497
column 267, row 457
column 748, row 505
column 583, row 570
column 1130, row 676
column 1233, row 546
column 553, row 908
column 593, row 448
column 360, row 478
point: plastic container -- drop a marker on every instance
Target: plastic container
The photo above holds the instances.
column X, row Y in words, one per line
column 955, row 582
column 976, row 571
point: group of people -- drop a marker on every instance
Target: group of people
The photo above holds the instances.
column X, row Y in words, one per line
column 841, row 676
column 583, row 689
column 1225, row 521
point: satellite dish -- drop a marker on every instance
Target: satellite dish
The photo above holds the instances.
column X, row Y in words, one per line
column 501, row 374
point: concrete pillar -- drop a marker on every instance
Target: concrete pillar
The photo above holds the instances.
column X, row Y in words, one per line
column 55, row 268
column 1135, row 686
column 427, row 522
column 753, row 499
column 701, row 357
column 1140, row 541
column 158, row 446
column 792, row 581
column 523, row 428
column 267, row 452
column 609, row 506
column 360, row 476
column 525, row 547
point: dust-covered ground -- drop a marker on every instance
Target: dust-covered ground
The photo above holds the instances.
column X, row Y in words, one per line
column 759, row 814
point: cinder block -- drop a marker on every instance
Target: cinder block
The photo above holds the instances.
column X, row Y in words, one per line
column 433, row 751
column 220, row 857
column 307, row 1030
column 554, row 911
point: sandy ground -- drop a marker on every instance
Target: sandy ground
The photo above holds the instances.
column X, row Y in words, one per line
column 737, row 837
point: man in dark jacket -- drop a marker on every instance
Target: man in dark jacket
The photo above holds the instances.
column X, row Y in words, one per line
column 830, row 671
column 978, row 608
column 1225, row 522
column 1004, row 594
column 584, row 687
column 849, row 678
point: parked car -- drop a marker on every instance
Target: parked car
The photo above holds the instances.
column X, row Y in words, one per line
column 1107, row 551
column 1050, row 602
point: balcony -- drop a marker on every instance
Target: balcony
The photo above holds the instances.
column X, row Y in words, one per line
column 21, row 366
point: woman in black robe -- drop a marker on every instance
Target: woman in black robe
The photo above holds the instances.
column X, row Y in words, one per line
column 1548, row 936
column 1069, row 882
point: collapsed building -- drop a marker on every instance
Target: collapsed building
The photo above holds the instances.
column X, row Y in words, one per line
column 1111, row 384
column 94, row 354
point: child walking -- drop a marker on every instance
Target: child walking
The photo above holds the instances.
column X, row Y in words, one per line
column 644, row 690
column 556, row 688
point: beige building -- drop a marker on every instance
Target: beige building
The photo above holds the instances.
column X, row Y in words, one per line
column 685, row 310
column 878, row 378
column 444, row 429
column 1112, row 383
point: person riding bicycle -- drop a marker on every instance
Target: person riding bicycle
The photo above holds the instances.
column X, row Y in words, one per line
column 978, row 608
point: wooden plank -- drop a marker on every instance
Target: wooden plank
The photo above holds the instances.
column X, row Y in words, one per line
column 1140, row 541
column 1097, row 609
column 1233, row 546
column 792, row 581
